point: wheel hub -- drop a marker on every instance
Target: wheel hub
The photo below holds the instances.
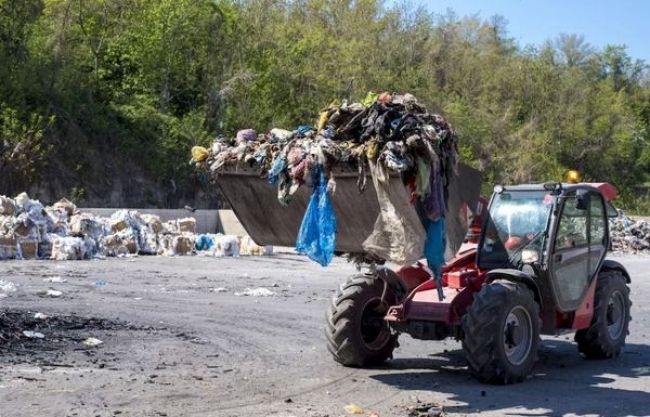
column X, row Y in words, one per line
column 374, row 329
column 517, row 335
column 615, row 315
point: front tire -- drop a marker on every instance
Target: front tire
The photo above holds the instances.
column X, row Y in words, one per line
column 609, row 326
column 356, row 332
column 501, row 333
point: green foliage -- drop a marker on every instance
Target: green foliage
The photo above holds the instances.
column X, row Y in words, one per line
column 144, row 80
column 23, row 149
column 77, row 195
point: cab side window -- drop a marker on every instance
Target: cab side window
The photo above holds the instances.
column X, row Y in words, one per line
column 597, row 224
column 572, row 230
column 597, row 232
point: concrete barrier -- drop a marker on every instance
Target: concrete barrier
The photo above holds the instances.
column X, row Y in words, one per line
column 207, row 221
column 228, row 224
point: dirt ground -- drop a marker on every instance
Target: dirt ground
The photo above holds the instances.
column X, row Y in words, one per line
column 179, row 341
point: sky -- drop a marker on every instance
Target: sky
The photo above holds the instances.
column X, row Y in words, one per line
column 621, row 22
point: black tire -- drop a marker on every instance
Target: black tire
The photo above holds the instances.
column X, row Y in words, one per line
column 609, row 327
column 501, row 333
column 356, row 333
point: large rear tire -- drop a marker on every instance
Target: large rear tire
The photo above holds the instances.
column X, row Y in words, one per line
column 501, row 333
column 357, row 334
column 609, row 326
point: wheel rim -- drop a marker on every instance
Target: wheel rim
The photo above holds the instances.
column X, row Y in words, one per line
column 517, row 335
column 616, row 315
column 374, row 330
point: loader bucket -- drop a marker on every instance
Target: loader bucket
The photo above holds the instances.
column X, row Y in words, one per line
column 255, row 204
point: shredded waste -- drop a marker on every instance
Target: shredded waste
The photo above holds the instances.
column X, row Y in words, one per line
column 426, row 410
column 255, row 292
column 51, row 293
column 33, row 335
column 56, row 280
column 353, row 409
column 629, row 235
column 6, row 287
column 92, row 342
column 30, row 230
column 384, row 134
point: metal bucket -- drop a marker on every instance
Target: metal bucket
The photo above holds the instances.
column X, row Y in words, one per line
column 255, row 204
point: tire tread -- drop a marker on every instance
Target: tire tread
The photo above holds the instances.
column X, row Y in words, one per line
column 481, row 327
column 594, row 342
column 343, row 339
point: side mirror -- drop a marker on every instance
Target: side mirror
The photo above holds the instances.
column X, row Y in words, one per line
column 582, row 200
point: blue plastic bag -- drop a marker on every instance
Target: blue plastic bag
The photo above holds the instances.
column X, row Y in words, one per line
column 435, row 244
column 317, row 235
column 278, row 166
column 204, row 242
column 304, row 129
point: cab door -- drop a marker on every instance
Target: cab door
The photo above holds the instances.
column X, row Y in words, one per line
column 598, row 233
column 569, row 260
column 578, row 248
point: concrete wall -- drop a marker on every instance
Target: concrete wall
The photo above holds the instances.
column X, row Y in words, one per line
column 207, row 221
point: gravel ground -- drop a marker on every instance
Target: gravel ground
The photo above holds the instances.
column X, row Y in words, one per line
column 178, row 341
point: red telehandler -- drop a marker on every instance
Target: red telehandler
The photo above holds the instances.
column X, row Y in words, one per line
column 538, row 267
column 535, row 264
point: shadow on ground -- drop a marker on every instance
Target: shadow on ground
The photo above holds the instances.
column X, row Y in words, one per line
column 562, row 383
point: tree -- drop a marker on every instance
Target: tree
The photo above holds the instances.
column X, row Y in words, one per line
column 125, row 79
column 572, row 49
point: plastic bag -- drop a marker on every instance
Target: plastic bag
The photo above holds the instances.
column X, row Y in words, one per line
column 304, row 129
column 278, row 166
column 322, row 120
column 65, row 204
column 204, row 242
column 246, row 135
column 199, row 153
column 435, row 244
column 7, row 206
column 398, row 235
column 317, row 235
column 226, row 245
column 280, row 135
column 370, row 98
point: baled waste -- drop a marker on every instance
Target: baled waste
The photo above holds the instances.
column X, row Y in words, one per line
column 29, row 230
column 383, row 135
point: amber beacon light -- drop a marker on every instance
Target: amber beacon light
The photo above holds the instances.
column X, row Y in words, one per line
column 572, row 176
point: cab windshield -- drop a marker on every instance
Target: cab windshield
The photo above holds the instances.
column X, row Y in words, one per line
column 516, row 221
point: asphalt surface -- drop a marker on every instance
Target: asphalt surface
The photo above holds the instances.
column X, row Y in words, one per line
column 179, row 341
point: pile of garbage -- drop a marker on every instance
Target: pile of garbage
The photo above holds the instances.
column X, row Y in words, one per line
column 394, row 129
column 629, row 235
column 384, row 134
column 29, row 230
